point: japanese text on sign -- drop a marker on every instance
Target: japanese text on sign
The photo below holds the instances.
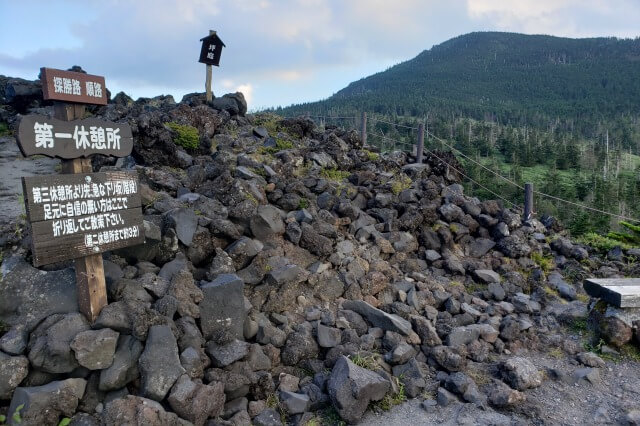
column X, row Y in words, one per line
column 38, row 134
column 87, row 207
column 71, row 86
column 95, row 137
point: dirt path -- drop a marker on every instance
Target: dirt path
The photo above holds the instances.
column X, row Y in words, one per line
column 559, row 401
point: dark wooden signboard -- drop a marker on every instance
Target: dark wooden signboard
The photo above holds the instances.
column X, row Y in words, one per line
column 76, row 215
column 72, row 86
column 211, row 50
column 38, row 134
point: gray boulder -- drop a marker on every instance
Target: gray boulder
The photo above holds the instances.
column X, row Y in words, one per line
column 267, row 223
column 233, row 103
column 222, row 309
column 159, row 363
column 15, row 341
column 49, row 346
column 187, row 294
column 565, row 289
column 13, row 369
column 311, row 240
column 379, row 318
column 480, row 247
column 43, row 405
column 464, row 335
column 94, row 349
column 124, row 367
column 487, row 275
column 513, row 246
column 243, row 250
column 195, row 401
column 520, row 373
column 135, row 410
column 184, row 221
column 30, row 295
column 294, row 403
column 224, row 354
column 450, row 212
column 300, row 345
column 268, row 417
column 328, row 337
column 501, row 395
column 352, row 388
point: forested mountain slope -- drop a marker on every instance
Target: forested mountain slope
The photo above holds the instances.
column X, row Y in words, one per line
column 510, row 78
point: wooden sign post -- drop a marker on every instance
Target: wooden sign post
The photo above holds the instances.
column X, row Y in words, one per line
column 210, row 55
column 80, row 214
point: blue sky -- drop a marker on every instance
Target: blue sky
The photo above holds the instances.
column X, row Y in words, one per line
column 278, row 51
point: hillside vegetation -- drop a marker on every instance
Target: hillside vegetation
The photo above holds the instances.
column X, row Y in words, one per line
column 504, row 77
column 561, row 113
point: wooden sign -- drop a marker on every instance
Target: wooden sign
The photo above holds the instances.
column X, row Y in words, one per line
column 38, row 134
column 72, row 86
column 211, row 49
column 76, row 215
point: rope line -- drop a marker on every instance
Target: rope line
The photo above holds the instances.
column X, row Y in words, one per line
column 476, row 162
column 511, row 182
column 477, row 183
column 389, row 139
column 392, row 124
column 630, row 219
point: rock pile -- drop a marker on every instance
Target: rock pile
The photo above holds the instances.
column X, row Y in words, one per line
column 286, row 270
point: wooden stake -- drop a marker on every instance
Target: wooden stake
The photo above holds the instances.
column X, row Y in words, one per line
column 420, row 148
column 207, row 83
column 90, row 281
column 363, row 130
column 528, row 201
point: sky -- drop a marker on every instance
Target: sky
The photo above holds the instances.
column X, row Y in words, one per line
column 278, row 52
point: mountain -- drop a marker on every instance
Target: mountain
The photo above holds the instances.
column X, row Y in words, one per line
column 505, row 77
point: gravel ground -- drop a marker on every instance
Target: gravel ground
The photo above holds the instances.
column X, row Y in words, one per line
column 559, row 401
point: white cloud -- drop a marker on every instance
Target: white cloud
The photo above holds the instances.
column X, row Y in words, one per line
column 569, row 18
column 247, row 91
column 285, row 46
column 245, row 88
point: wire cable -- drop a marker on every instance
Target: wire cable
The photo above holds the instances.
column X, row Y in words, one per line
column 593, row 209
column 392, row 124
column 476, row 162
column 542, row 194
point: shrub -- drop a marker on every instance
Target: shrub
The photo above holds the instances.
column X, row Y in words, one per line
column 185, row 136
column 544, row 262
column 400, row 184
column 601, row 243
column 371, row 156
column 4, row 130
column 632, row 237
column 334, row 174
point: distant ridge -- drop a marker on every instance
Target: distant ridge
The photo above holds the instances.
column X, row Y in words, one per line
column 506, row 77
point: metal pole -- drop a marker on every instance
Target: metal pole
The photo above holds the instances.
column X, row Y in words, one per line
column 528, row 201
column 363, row 132
column 420, row 147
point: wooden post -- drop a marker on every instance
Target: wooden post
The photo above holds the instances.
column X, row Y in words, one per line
column 528, row 201
column 363, row 129
column 90, row 281
column 207, row 83
column 420, row 148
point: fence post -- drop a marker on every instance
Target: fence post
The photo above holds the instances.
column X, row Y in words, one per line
column 528, row 201
column 420, row 147
column 363, row 130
